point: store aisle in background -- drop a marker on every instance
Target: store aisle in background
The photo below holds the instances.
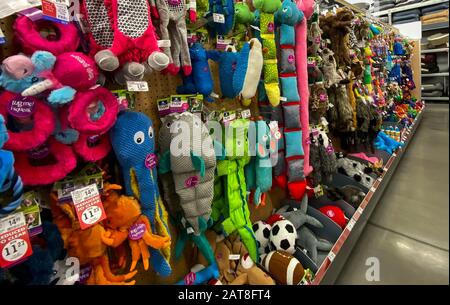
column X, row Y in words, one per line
column 409, row 229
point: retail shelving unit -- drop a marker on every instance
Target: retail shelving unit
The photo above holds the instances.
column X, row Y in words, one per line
column 329, row 271
column 402, row 8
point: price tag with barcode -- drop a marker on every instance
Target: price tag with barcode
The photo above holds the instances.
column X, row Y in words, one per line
column 373, row 189
column 88, row 206
column 331, row 256
column 137, row 86
column 56, row 10
column 351, row 224
column 360, row 210
column 218, row 18
column 234, row 257
column 14, row 240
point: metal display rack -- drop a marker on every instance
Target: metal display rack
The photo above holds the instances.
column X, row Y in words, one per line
column 329, row 271
column 407, row 7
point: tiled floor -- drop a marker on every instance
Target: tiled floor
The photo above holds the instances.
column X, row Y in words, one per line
column 409, row 230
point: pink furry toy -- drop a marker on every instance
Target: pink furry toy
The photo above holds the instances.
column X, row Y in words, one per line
column 45, row 164
column 93, row 148
column 62, row 37
column 81, row 120
column 72, row 72
column 307, row 7
column 122, row 32
column 28, row 111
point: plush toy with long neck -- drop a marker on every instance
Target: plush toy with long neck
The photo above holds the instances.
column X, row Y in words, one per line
column 266, row 11
column 287, row 16
column 243, row 17
column 132, row 138
column 230, row 210
column 307, row 7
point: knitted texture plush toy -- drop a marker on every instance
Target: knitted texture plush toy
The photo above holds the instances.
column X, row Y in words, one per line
column 191, row 177
column 172, row 27
column 248, row 69
column 266, row 10
column 230, row 208
column 307, row 7
column 258, row 173
column 122, row 32
column 286, row 17
column 132, row 138
column 200, row 80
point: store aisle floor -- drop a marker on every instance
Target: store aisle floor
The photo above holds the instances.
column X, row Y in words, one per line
column 408, row 231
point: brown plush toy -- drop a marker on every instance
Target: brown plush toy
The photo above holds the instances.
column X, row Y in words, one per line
column 337, row 27
column 234, row 263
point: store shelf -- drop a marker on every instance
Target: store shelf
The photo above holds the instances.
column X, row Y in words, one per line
column 435, row 74
column 408, row 7
column 439, row 50
column 329, row 271
column 435, row 26
column 435, row 98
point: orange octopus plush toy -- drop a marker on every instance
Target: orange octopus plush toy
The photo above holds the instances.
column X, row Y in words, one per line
column 126, row 221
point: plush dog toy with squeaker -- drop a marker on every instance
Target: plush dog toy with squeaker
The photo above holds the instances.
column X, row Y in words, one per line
column 132, row 138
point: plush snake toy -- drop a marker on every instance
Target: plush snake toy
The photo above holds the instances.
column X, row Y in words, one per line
column 287, row 16
column 266, row 10
column 132, row 138
column 230, row 209
column 191, row 177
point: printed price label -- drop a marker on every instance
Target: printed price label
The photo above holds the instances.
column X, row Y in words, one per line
column 373, row 189
column 234, row 257
column 218, row 18
column 14, row 240
column 88, row 206
column 137, row 86
column 246, row 113
column 56, row 10
column 360, row 210
column 331, row 256
column 351, row 224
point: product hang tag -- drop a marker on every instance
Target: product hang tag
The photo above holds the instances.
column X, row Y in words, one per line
column 2, row 37
column 164, row 43
column 246, row 113
column 56, row 10
column 14, row 240
column 234, row 257
column 137, row 86
column 218, row 18
column 88, row 206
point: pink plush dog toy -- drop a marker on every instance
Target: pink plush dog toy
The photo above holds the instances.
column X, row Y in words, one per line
column 64, row 38
column 72, row 72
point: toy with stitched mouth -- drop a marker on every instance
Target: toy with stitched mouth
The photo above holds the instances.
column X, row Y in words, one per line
column 222, row 7
column 200, row 80
column 258, row 173
column 122, row 32
column 187, row 177
column 230, row 210
column 72, row 72
column 286, row 17
column 266, row 10
column 132, row 139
